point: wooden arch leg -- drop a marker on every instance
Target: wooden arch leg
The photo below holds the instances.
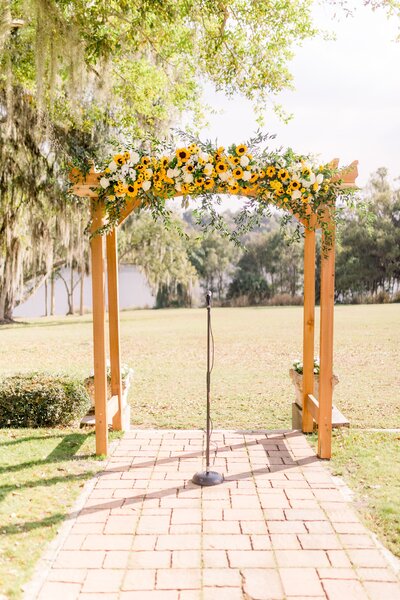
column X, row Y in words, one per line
column 113, row 324
column 308, row 326
column 99, row 348
column 326, row 348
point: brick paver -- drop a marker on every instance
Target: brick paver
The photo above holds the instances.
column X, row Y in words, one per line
column 278, row 527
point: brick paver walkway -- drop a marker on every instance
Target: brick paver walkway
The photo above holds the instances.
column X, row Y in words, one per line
column 279, row 527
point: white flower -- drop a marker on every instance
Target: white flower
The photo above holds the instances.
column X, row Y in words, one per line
column 170, row 173
column 224, row 176
column 312, row 178
column 135, row 157
column 146, row 185
column 296, row 195
column 305, row 183
column 208, row 169
column 132, row 174
column 246, row 176
column 112, row 166
column 104, row 182
column 203, row 155
column 319, row 179
column 244, row 161
column 149, row 172
column 188, row 178
column 178, row 187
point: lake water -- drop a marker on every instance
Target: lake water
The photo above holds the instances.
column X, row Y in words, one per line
column 134, row 292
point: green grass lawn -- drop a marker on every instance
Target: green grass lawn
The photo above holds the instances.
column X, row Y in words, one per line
column 254, row 348
column 41, row 474
column 42, row 471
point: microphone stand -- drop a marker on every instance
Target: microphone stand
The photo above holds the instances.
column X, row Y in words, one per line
column 207, row 477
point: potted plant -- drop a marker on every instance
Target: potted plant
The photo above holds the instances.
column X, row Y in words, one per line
column 296, row 375
column 126, row 375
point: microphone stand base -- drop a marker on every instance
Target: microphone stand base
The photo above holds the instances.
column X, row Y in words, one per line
column 207, row 478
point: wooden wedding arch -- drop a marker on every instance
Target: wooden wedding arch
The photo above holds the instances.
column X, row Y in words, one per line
column 104, row 263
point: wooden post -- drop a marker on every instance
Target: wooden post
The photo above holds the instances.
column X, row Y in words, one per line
column 99, row 346
column 113, row 324
column 52, row 294
column 308, row 326
column 81, row 288
column 326, row 345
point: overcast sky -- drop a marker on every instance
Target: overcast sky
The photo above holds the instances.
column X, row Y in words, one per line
column 346, row 101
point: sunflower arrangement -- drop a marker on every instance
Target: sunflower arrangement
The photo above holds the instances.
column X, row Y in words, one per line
column 281, row 178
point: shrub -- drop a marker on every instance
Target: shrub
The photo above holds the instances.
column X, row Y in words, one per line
column 41, row 400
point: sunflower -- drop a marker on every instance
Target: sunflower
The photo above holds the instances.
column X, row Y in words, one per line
column 306, row 172
column 253, row 178
column 221, row 167
column 270, row 171
column 261, row 174
column 190, row 168
column 306, row 198
column 209, row 184
column 119, row 159
column 234, row 188
column 164, row 162
column 199, row 181
column 146, row 160
column 183, row 154
column 127, row 155
column 119, row 190
column 283, row 175
column 131, row 190
column 315, row 187
column 237, row 172
column 194, row 149
column 139, row 167
column 241, row 149
column 295, row 185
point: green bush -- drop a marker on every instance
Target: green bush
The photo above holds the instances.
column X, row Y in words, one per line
column 40, row 400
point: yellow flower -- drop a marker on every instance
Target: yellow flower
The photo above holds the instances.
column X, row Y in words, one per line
column 119, row 159
column 131, row 190
column 234, row 188
column 283, row 175
column 209, row 184
column 220, row 150
column 139, row 167
column 253, row 178
column 145, row 160
column 185, row 188
column 261, row 174
column 315, row 187
column 241, row 149
column 221, row 167
column 295, row 185
column 164, row 161
column 270, row 171
column 106, row 171
column 237, row 173
column 194, row 149
column 306, row 172
column 127, row 155
column 190, row 168
column 119, row 190
column 183, row 154
column 199, row 181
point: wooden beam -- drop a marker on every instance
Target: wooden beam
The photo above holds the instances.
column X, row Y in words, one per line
column 99, row 344
column 326, row 345
column 308, row 326
column 313, row 406
column 113, row 325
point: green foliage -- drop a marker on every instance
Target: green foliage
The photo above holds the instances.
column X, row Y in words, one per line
column 368, row 261
column 41, row 400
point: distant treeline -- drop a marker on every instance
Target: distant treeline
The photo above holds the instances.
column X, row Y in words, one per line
column 268, row 270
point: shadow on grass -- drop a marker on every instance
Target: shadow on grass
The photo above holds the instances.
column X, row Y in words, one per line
column 19, row 528
column 64, row 451
column 31, row 438
column 27, row 324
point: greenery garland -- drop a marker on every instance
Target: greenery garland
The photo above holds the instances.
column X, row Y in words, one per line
column 266, row 178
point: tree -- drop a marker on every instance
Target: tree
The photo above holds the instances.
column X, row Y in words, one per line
column 368, row 260
column 161, row 254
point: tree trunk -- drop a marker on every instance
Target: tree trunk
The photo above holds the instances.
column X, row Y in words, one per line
column 52, row 294
column 45, row 298
column 82, row 282
column 72, row 290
